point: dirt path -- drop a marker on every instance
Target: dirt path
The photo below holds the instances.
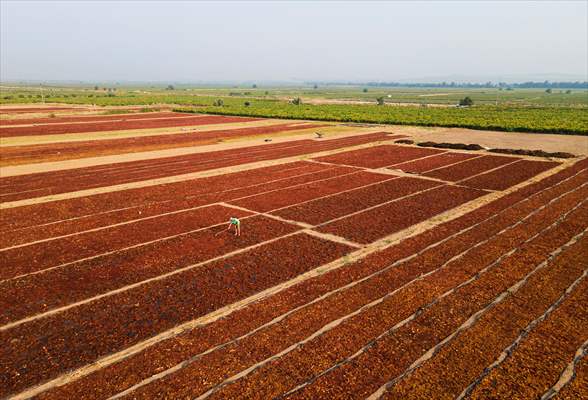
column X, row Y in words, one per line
column 574, row 144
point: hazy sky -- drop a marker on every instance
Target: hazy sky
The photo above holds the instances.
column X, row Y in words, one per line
column 182, row 40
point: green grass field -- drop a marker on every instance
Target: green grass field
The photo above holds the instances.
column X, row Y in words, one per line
column 521, row 110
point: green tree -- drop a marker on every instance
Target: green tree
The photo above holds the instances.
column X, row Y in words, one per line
column 365, row 90
column 548, row 91
column 466, row 101
column 296, row 101
column 380, row 100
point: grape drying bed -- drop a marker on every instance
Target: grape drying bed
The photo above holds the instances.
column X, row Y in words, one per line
column 384, row 272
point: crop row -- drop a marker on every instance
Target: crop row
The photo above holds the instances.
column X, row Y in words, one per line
column 323, row 210
column 118, row 206
column 47, row 254
column 434, row 162
column 379, row 156
column 394, row 349
column 86, row 253
column 503, row 118
column 544, row 353
column 85, row 333
column 469, row 168
column 117, row 377
column 18, row 187
column 509, row 175
column 77, row 215
column 367, row 226
column 219, row 364
column 285, row 197
column 89, row 118
column 59, row 151
column 87, row 278
column 455, row 366
column 118, row 125
column 439, row 308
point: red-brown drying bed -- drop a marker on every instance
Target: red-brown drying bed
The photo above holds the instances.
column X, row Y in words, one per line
column 509, row 175
column 469, row 168
column 85, row 333
column 323, row 210
column 367, row 226
column 37, row 185
column 379, row 156
column 38, row 221
column 90, row 118
column 14, row 155
column 285, row 197
column 119, row 125
column 117, row 377
column 434, row 162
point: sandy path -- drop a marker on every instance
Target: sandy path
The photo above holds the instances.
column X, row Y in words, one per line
column 574, row 144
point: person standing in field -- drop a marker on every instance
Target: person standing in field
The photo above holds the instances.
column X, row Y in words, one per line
column 234, row 222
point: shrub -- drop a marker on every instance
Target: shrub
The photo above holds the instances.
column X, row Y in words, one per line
column 296, row 101
column 466, row 101
column 380, row 100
